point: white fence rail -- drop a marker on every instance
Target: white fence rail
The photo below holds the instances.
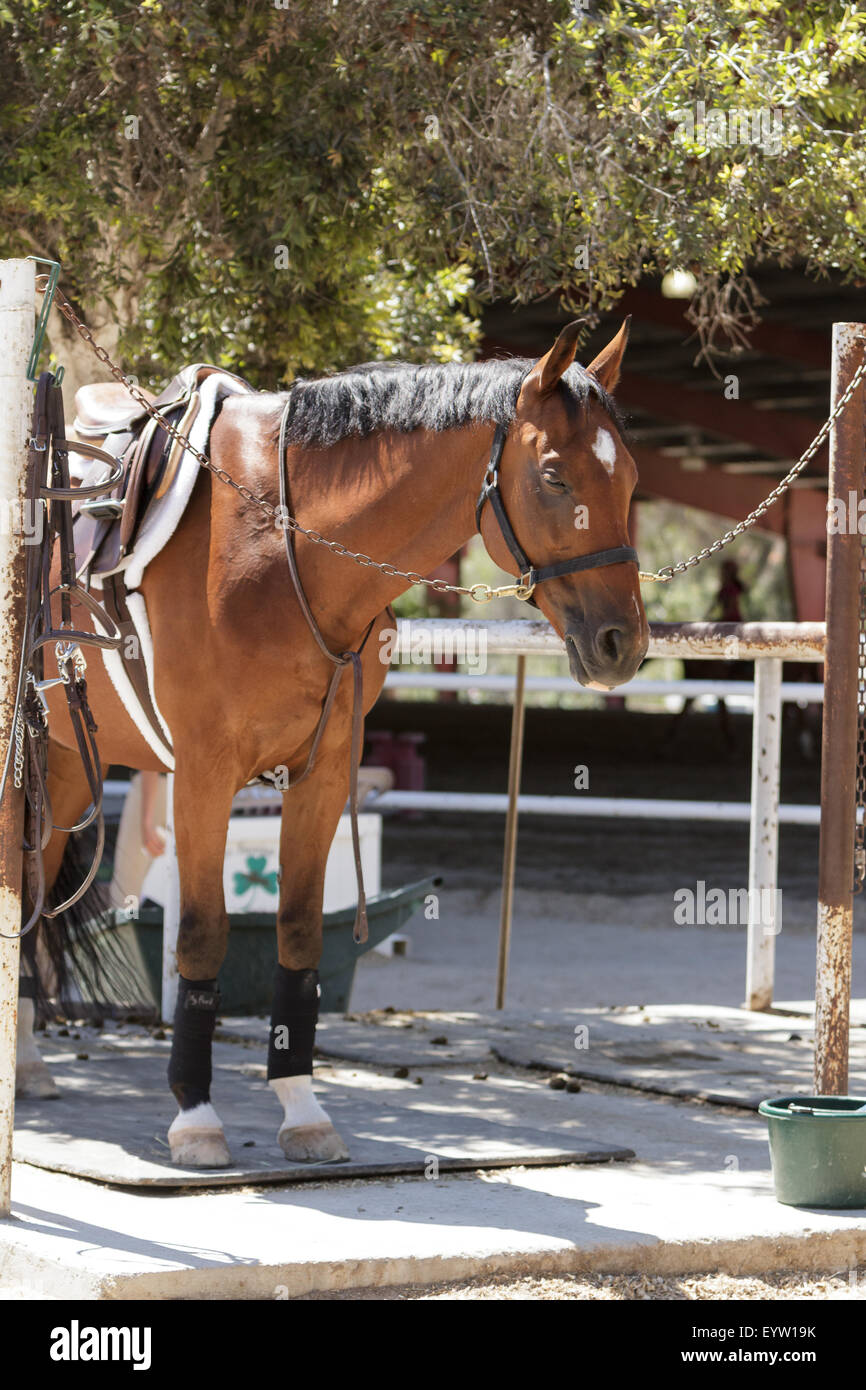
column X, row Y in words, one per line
column 767, row 644
column 792, row 692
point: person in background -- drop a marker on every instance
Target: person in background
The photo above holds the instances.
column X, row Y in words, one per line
column 726, row 608
column 727, row 602
column 141, row 836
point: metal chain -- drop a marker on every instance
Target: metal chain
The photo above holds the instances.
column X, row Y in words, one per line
column 18, row 766
column 667, row 572
column 481, row 593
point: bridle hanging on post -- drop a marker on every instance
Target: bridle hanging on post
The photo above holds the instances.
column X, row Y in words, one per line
column 48, row 481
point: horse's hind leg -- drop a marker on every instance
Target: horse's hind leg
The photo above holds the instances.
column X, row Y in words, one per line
column 70, row 797
column 311, row 813
column 202, row 806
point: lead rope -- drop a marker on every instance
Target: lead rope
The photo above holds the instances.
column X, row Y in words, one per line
column 340, row 663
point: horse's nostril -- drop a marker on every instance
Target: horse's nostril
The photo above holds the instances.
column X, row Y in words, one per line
column 610, row 642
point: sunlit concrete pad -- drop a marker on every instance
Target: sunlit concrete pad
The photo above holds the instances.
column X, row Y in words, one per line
column 111, row 1120
column 698, row 1199
column 710, row 1052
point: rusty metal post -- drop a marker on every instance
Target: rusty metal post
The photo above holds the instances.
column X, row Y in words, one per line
column 17, row 317
column 839, row 740
column 515, row 764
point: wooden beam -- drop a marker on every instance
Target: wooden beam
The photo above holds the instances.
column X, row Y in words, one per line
column 802, row 345
column 725, row 494
column 775, row 432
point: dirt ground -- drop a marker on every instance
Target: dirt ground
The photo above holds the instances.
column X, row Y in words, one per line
column 625, row 1288
column 466, row 749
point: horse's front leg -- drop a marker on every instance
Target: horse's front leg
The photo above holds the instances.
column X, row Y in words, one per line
column 202, row 806
column 311, row 812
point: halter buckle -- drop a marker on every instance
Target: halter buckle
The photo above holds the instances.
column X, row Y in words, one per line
column 525, row 588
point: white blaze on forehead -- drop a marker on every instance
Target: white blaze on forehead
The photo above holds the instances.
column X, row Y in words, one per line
column 604, row 448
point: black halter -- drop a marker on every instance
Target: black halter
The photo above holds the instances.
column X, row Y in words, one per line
column 528, row 575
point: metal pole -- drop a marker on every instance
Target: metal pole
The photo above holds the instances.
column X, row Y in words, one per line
column 839, row 739
column 515, row 764
column 706, row 641
column 17, row 317
column 764, row 923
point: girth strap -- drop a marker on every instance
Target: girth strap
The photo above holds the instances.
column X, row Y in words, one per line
column 340, row 662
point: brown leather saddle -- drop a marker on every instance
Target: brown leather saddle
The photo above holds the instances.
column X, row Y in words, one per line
column 106, row 527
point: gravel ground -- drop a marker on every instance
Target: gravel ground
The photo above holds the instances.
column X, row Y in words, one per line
column 622, row 1288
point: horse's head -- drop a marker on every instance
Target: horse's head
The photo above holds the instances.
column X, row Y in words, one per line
column 566, row 481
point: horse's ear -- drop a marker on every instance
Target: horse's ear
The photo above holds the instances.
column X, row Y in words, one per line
column 549, row 369
column 606, row 367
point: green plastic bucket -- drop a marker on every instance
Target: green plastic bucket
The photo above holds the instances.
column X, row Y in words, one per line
column 246, row 979
column 818, row 1149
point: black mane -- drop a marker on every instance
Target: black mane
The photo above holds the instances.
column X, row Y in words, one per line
column 403, row 396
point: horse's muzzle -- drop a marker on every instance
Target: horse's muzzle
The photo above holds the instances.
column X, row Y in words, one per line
column 606, row 654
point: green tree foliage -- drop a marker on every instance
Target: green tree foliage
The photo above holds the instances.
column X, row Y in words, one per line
column 321, row 182
column 572, row 150
column 211, row 171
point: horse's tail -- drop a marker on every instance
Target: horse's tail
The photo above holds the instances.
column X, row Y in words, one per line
column 76, row 960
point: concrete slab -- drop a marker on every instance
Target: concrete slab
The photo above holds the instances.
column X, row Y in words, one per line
column 699, row 1200
column 711, row 1052
column 389, row 1038
column 111, row 1119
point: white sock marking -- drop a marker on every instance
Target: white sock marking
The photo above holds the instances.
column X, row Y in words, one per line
column 200, row 1117
column 604, row 449
column 295, row 1094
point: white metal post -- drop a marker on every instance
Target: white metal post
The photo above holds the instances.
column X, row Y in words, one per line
column 509, row 855
column 764, row 919
column 170, row 910
column 17, row 305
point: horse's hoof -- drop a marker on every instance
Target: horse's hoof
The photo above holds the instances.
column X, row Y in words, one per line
column 312, row 1144
column 33, row 1081
column 199, row 1148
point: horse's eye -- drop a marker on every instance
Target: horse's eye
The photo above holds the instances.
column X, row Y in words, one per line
column 553, row 481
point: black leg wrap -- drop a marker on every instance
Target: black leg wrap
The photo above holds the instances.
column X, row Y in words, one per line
column 26, row 986
column 189, row 1070
column 293, row 1023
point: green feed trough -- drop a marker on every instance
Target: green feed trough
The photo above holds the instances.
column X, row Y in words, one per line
column 818, row 1148
column 247, row 977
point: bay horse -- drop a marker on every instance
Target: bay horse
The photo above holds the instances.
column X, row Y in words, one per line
column 385, row 459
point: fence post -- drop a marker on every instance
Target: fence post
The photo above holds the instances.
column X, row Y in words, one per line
column 764, row 833
column 839, row 738
column 17, row 304
column 515, row 764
